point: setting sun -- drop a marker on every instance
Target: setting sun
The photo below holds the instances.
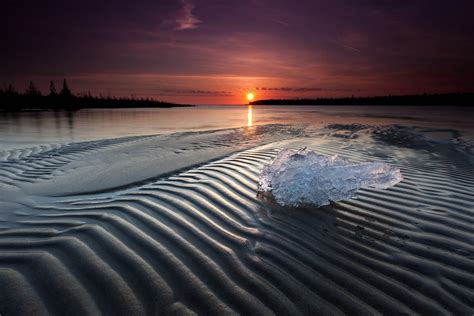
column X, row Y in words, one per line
column 250, row 96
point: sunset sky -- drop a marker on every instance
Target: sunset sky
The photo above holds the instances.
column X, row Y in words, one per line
column 215, row 51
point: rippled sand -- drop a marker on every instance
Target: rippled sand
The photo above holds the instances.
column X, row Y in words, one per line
column 172, row 224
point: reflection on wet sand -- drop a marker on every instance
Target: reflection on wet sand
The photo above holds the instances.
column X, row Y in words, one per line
column 24, row 129
column 249, row 116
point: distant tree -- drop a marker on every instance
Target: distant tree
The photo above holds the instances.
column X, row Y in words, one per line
column 11, row 89
column 52, row 89
column 65, row 92
column 32, row 90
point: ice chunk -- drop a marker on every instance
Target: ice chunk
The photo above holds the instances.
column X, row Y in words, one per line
column 302, row 177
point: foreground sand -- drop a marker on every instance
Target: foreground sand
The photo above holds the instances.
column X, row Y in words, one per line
column 77, row 237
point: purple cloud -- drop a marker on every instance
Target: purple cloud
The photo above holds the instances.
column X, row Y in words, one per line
column 187, row 20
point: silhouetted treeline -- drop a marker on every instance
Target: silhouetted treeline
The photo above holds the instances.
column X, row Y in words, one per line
column 32, row 99
column 464, row 99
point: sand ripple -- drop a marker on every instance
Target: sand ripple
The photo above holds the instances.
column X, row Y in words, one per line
column 201, row 242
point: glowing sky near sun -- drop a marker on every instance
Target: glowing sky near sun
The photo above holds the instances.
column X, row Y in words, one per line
column 250, row 96
column 211, row 51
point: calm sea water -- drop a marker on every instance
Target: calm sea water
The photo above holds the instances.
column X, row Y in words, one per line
column 25, row 129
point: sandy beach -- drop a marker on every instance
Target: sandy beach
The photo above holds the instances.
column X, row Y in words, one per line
column 172, row 224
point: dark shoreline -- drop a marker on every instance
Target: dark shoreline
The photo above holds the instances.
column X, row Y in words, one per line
column 68, row 109
column 76, row 107
column 14, row 102
column 447, row 99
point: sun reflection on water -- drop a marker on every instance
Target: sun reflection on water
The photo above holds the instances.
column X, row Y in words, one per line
column 249, row 116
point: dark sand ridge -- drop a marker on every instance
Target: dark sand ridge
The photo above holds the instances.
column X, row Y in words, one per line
column 201, row 241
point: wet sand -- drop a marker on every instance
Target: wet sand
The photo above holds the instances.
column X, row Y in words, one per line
column 173, row 225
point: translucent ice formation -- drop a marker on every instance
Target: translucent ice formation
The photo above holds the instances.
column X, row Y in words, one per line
column 302, row 177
